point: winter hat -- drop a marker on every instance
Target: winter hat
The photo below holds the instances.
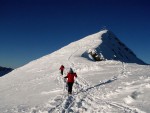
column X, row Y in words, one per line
column 71, row 70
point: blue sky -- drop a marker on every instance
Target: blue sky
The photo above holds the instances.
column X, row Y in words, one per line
column 30, row 29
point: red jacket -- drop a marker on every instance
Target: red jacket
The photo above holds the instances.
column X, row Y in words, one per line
column 71, row 76
column 62, row 68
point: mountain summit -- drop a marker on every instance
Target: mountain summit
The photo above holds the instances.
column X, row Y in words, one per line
column 111, row 48
column 106, row 82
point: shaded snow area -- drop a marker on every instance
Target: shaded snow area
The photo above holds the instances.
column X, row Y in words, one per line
column 109, row 86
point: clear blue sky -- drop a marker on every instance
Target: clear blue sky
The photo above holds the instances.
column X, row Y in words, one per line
column 30, row 29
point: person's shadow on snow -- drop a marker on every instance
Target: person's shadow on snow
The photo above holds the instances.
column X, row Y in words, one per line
column 102, row 83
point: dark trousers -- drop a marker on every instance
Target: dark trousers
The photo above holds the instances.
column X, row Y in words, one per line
column 61, row 72
column 70, row 84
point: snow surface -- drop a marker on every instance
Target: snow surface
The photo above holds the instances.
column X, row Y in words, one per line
column 110, row 86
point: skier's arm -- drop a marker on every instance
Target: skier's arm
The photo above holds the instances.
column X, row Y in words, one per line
column 75, row 75
column 66, row 76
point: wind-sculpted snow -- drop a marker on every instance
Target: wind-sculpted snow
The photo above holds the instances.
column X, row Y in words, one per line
column 108, row 86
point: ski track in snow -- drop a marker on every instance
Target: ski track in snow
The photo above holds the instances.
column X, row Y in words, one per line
column 87, row 98
column 83, row 99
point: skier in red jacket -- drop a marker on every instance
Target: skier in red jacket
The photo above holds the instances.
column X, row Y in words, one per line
column 70, row 80
column 62, row 69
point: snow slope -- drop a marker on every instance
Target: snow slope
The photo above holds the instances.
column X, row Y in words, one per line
column 110, row 86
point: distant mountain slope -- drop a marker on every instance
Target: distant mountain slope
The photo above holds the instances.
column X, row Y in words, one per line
column 4, row 70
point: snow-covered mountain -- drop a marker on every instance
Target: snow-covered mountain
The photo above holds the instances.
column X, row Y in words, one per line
column 4, row 70
column 111, row 48
column 115, row 84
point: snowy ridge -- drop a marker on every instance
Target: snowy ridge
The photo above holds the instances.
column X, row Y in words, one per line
column 111, row 48
column 109, row 86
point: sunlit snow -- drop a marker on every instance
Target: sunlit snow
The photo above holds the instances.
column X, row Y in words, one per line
column 114, row 85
